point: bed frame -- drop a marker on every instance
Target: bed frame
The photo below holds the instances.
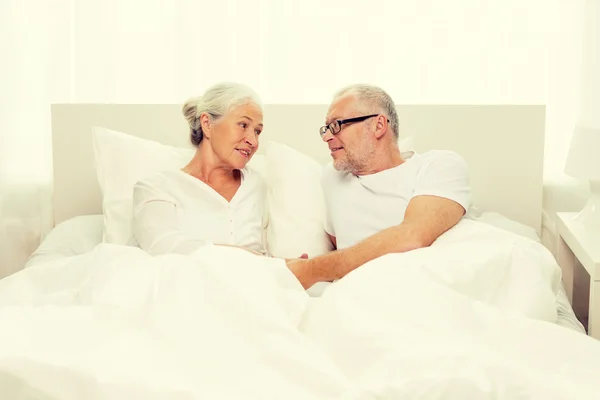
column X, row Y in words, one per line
column 502, row 144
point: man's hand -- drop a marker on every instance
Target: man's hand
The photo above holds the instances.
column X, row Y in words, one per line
column 300, row 267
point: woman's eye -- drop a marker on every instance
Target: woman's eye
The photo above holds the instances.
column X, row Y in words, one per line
column 258, row 131
column 243, row 125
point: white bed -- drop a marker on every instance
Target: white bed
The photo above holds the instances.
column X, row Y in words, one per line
column 503, row 146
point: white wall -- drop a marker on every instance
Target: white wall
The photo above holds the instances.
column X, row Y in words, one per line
column 34, row 71
column 468, row 51
column 163, row 51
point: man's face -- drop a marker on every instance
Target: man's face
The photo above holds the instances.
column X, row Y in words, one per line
column 353, row 146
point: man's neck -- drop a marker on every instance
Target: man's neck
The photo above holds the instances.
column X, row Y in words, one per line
column 381, row 161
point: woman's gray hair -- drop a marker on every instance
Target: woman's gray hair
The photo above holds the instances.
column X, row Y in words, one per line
column 217, row 101
column 373, row 99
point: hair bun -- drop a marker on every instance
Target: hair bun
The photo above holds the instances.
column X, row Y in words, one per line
column 190, row 112
column 196, row 136
column 190, row 109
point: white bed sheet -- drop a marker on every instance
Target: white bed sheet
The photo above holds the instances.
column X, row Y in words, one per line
column 82, row 234
column 565, row 315
column 116, row 323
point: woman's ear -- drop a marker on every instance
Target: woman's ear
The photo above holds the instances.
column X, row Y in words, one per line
column 205, row 124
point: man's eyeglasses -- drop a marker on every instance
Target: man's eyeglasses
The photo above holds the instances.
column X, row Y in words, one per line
column 336, row 126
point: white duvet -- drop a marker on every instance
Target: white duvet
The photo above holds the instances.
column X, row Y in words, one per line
column 470, row 317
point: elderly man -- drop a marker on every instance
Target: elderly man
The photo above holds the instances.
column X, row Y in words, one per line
column 378, row 201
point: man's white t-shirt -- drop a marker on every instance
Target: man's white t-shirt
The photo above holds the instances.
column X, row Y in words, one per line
column 174, row 212
column 360, row 206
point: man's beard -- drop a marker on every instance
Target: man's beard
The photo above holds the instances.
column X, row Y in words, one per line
column 344, row 164
column 356, row 161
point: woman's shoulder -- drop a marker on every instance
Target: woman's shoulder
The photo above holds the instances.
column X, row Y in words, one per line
column 161, row 179
column 161, row 185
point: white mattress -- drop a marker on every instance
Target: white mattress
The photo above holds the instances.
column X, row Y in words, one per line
column 81, row 234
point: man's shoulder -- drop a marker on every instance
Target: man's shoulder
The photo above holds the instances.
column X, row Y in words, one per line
column 442, row 158
column 437, row 154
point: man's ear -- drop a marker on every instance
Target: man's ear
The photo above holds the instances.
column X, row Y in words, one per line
column 205, row 124
column 381, row 126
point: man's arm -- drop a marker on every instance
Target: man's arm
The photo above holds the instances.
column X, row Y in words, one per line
column 425, row 219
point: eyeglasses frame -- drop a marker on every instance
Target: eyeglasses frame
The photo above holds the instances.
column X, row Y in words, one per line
column 323, row 130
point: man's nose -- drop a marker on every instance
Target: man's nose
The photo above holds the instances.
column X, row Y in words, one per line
column 327, row 136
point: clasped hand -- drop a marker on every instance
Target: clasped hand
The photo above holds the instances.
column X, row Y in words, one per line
column 300, row 267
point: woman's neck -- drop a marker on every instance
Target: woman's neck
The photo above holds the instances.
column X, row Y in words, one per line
column 206, row 167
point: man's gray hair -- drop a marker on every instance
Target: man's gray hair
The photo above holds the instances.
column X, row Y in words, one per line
column 217, row 101
column 373, row 99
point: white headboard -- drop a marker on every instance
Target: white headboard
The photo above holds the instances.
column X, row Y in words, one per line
column 502, row 144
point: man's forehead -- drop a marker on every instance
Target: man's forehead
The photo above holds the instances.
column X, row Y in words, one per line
column 340, row 107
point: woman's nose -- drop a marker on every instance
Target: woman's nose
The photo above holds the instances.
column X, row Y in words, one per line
column 252, row 140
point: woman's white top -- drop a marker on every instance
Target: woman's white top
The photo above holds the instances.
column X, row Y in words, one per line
column 174, row 212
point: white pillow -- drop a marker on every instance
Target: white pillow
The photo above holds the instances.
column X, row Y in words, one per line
column 500, row 221
column 72, row 237
column 121, row 161
column 295, row 204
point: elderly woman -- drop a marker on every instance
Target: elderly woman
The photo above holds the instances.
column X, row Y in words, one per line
column 216, row 198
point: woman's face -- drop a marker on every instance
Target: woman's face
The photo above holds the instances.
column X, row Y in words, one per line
column 234, row 137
